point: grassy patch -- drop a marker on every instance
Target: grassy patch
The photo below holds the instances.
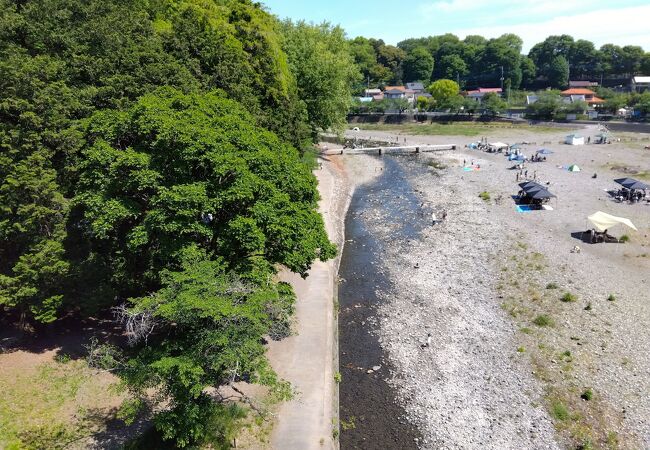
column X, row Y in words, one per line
column 543, row 320
column 559, row 411
column 485, row 196
column 348, row 424
column 568, row 297
column 551, row 286
column 624, row 238
column 338, row 377
column 52, row 404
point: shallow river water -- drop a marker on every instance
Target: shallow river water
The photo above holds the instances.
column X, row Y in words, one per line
column 370, row 415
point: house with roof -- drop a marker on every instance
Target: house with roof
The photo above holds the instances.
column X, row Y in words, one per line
column 371, row 92
column 581, row 94
column 416, row 87
column 396, row 92
column 640, row 84
column 393, row 92
column 478, row 94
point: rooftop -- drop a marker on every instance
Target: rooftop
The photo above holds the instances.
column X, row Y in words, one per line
column 578, row 91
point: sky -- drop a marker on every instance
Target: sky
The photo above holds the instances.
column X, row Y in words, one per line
column 620, row 22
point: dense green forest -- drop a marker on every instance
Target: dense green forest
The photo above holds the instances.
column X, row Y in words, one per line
column 477, row 61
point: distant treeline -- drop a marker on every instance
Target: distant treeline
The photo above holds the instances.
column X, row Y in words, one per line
column 477, row 61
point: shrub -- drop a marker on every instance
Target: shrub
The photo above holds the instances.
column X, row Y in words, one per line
column 551, row 286
column 485, row 196
column 588, row 307
column 587, row 395
column 337, row 377
column 611, row 298
column 348, row 425
column 543, row 321
column 568, row 297
column 521, row 349
column 625, row 238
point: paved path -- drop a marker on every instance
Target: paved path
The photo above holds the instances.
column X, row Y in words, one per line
column 308, row 359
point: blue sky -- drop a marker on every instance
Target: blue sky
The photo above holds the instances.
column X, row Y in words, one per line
column 622, row 22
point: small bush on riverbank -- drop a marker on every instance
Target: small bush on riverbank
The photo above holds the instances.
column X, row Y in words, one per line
column 551, row 286
column 543, row 321
column 568, row 297
column 559, row 411
column 485, row 196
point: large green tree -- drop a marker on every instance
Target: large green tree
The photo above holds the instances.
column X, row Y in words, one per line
column 176, row 170
column 319, row 56
column 189, row 208
column 444, row 93
column 558, row 72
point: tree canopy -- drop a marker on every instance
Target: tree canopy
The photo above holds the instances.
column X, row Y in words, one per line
column 479, row 62
column 320, row 59
column 444, row 92
column 149, row 162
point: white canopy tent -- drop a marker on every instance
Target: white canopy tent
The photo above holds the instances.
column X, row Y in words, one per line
column 603, row 221
column 498, row 145
column 574, row 139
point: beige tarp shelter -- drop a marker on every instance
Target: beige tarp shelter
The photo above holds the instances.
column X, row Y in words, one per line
column 603, row 221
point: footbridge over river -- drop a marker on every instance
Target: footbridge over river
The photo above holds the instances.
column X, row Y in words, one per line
column 422, row 148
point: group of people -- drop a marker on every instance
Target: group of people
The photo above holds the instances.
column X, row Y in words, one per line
column 523, row 175
column 630, row 195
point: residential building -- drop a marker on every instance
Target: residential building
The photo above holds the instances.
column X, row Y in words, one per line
column 392, row 92
column 416, row 87
column 581, row 94
column 479, row 93
column 640, row 84
column 371, row 92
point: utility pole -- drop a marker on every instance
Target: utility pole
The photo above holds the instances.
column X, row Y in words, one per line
column 501, row 79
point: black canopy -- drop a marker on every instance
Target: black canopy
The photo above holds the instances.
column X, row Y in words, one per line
column 631, row 183
column 540, row 195
column 529, row 184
